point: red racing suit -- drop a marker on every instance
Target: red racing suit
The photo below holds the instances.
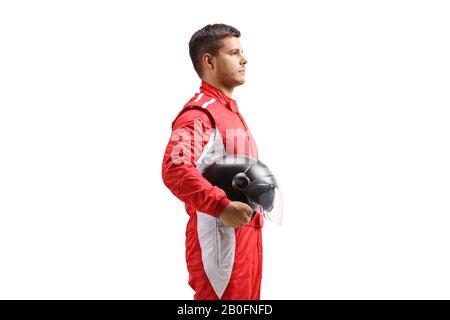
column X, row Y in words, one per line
column 223, row 263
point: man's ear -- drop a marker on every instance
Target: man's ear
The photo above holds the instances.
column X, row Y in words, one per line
column 208, row 61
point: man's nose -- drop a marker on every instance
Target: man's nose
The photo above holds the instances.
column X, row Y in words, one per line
column 244, row 60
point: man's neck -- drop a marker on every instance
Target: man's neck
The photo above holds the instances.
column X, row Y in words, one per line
column 228, row 91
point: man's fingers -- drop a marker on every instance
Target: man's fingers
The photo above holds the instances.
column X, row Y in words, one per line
column 237, row 214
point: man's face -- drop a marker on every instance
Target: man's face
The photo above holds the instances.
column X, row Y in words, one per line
column 230, row 63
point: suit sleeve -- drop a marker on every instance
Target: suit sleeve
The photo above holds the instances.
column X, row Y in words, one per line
column 190, row 134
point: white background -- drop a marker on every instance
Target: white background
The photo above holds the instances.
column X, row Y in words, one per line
column 347, row 100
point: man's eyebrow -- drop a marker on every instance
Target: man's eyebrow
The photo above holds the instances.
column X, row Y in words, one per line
column 236, row 49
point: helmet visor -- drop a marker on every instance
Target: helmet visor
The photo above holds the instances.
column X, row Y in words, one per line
column 265, row 197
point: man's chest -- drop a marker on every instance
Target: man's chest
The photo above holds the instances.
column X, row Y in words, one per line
column 236, row 136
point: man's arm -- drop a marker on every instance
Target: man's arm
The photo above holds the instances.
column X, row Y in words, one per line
column 179, row 171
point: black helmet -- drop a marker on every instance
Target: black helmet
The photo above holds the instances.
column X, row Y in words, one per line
column 247, row 180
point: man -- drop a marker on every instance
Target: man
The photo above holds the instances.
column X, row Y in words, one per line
column 223, row 237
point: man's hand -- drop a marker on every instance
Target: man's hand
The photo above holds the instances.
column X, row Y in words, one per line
column 236, row 214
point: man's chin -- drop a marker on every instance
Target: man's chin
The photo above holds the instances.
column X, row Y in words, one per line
column 236, row 82
column 240, row 82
